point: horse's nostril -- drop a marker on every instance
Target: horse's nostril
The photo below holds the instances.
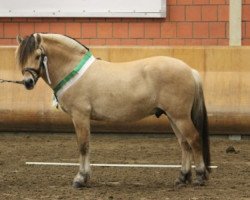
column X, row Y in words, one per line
column 29, row 83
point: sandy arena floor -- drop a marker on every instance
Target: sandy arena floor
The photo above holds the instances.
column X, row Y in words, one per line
column 19, row 181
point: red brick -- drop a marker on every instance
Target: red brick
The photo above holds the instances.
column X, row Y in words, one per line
column 223, row 13
column 42, row 27
column 246, row 2
column 97, row 41
column 113, row 41
column 73, row 30
column 34, row 19
column 104, row 30
column 200, row 2
column 209, row 13
column 217, row 2
column 5, row 19
column 120, row 30
column 193, row 13
column 19, row 19
column 168, row 30
column 161, row 42
column 1, row 30
column 193, row 42
column 177, row 13
column 26, row 29
column 209, row 42
column 224, row 42
column 84, row 41
column 184, row 2
column 246, row 13
column 246, row 42
column 5, row 41
column 11, row 30
column 176, row 41
column 200, row 30
column 171, row 2
column 57, row 28
column 128, row 42
column 243, row 29
column 227, row 29
column 152, row 30
column 247, row 31
column 89, row 30
column 184, row 30
column 217, row 29
column 136, row 30
column 144, row 42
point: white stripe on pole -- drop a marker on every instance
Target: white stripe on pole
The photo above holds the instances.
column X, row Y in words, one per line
column 111, row 165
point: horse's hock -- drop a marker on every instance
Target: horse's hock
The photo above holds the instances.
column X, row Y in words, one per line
column 225, row 72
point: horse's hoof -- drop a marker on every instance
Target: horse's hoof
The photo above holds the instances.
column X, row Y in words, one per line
column 78, row 185
column 199, row 183
column 179, row 183
column 183, row 179
column 201, row 177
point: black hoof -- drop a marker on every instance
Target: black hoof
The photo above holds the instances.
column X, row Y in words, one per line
column 199, row 183
column 78, row 185
column 183, row 180
column 201, row 177
column 179, row 184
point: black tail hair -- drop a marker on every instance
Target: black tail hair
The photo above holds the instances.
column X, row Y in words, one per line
column 200, row 120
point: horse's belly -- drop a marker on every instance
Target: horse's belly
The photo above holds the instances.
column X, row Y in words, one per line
column 123, row 109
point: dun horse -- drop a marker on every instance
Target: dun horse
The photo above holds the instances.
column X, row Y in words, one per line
column 93, row 89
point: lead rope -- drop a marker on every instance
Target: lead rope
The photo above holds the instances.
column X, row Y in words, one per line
column 10, row 81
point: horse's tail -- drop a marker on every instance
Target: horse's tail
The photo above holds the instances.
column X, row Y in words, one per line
column 200, row 119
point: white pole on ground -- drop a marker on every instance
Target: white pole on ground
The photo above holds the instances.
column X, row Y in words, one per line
column 111, row 165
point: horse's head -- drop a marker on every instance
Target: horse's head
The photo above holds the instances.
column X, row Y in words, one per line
column 30, row 57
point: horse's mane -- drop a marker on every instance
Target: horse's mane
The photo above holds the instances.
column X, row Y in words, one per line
column 28, row 46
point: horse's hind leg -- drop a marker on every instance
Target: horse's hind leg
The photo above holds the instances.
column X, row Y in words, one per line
column 83, row 134
column 185, row 174
column 189, row 132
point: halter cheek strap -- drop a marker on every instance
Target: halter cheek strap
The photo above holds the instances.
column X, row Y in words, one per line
column 45, row 65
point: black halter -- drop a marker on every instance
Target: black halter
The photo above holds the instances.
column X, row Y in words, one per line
column 36, row 73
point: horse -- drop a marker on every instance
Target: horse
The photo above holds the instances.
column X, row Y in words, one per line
column 88, row 88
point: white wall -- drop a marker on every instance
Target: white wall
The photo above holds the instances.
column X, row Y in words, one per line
column 83, row 8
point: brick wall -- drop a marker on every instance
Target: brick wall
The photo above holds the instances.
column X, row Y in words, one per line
column 189, row 22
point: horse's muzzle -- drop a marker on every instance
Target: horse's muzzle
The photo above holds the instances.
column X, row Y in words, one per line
column 29, row 83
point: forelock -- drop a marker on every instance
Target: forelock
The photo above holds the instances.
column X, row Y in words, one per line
column 26, row 48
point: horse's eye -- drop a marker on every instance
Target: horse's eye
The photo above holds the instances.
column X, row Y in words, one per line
column 37, row 57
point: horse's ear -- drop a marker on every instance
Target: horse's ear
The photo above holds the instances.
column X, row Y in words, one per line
column 38, row 39
column 19, row 39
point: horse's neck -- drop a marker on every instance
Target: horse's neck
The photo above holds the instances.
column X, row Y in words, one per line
column 62, row 59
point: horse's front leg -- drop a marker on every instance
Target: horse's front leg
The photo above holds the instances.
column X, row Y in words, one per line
column 82, row 126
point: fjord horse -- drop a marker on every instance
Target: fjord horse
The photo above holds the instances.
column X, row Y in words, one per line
column 88, row 88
